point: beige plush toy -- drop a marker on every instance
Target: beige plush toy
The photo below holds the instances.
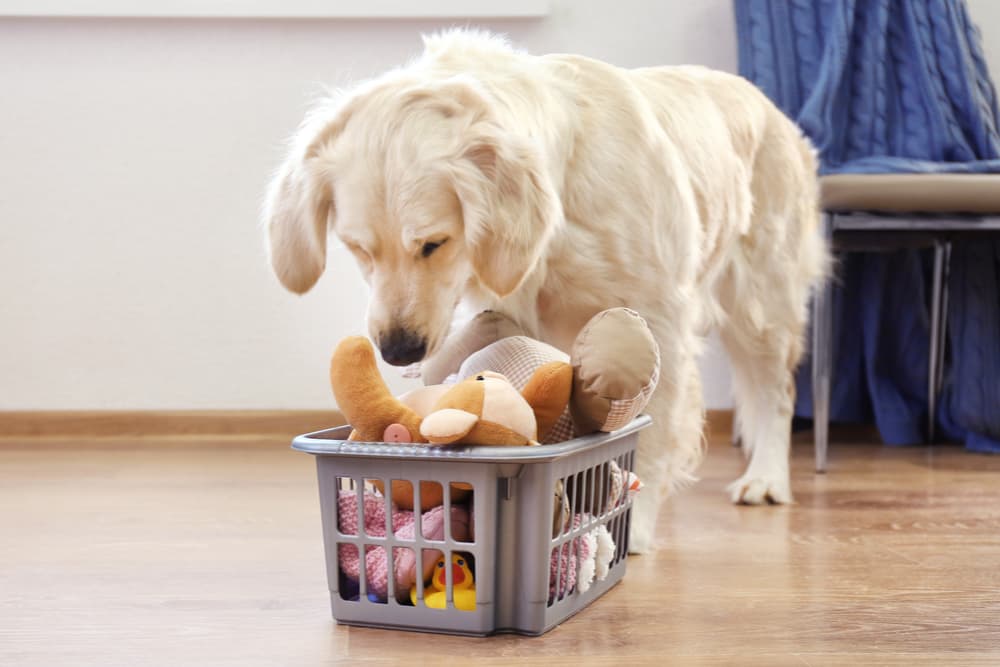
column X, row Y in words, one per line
column 615, row 363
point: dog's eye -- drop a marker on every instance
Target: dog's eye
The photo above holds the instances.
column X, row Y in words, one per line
column 428, row 248
column 480, row 378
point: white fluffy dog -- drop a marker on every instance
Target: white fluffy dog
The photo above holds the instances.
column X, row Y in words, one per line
column 550, row 188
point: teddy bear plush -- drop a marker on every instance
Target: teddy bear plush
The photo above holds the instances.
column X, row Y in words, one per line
column 484, row 409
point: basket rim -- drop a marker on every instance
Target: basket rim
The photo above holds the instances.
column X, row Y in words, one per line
column 333, row 442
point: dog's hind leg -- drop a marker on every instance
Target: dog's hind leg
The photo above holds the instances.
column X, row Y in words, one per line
column 763, row 362
column 765, row 296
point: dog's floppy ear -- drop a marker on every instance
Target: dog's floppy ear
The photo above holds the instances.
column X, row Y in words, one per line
column 299, row 205
column 509, row 205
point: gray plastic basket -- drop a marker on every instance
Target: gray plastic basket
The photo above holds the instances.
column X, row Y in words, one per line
column 513, row 512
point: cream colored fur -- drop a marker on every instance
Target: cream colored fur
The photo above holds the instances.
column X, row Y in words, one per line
column 561, row 186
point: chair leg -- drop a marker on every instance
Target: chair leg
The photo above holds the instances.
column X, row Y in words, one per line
column 936, row 344
column 943, row 339
column 943, row 322
column 822, row 353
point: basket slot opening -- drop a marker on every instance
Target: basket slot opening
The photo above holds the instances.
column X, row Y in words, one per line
column 402, row 585
column 630, row 465
column 347, row 519
column 358, row 577
column 463, row 503
column 560, row 565
column 590, row 475
column 621, row 525
column 560, row 508
column 603, row 471
column 347, row 586
column 573, row 495
column 401, row 495
column 375, row 511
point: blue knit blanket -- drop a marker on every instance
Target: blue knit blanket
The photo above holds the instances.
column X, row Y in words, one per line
column 893, row 86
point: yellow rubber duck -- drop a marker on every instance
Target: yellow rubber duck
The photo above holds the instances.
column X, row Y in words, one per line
column 463, row 586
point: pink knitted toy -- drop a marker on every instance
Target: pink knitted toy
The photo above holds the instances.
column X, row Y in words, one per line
column 575, row 564
column 403, row 523
column 581, row 560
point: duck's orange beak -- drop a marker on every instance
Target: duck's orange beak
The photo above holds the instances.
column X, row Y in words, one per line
column 457, row 576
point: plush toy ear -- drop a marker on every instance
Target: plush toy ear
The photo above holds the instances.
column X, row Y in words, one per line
column 362, row 394
column 548, row 392
column 448, row 425
column 510, row 207
column 299, row 204
column 616, row 366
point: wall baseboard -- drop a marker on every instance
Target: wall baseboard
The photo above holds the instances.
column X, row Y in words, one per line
column 198, row 423
column 164, row 423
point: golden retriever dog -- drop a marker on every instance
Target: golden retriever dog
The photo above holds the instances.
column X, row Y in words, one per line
column 552, row 187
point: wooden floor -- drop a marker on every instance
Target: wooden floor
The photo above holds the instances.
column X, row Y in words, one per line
column 196, row 552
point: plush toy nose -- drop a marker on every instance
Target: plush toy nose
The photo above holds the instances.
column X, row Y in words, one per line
column 401, row 347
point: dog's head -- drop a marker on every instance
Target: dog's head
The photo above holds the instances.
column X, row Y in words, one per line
column 431, row 194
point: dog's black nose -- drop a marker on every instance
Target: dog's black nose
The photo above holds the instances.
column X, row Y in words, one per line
column 401, row 347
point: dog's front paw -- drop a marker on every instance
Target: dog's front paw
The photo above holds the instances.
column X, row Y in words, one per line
column 642, row 535
column 640, row 539
column 760, row 489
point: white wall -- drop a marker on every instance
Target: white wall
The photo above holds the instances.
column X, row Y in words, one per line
column 133, row 154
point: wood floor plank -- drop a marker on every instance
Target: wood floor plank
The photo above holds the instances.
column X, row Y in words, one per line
column 211, row 554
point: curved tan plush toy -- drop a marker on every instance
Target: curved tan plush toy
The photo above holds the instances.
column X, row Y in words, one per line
column 365, row 399
column 483, row 410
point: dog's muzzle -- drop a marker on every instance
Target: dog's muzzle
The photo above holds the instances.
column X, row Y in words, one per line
column 401, row 347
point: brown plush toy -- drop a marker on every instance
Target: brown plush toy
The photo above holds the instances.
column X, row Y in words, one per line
column 483, row 410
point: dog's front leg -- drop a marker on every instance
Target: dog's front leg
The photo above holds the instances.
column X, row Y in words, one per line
column 672, row 447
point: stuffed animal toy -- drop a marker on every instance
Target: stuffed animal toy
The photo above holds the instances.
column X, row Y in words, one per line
column 404, row 559
column 574, row 565
column 615, row 363
column 622, row 484
column 462, row 583
column 485, row 409
column 577, row 563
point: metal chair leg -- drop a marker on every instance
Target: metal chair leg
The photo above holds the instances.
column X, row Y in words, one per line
column 943, row 336
column 933, row 353
column 822, row 339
